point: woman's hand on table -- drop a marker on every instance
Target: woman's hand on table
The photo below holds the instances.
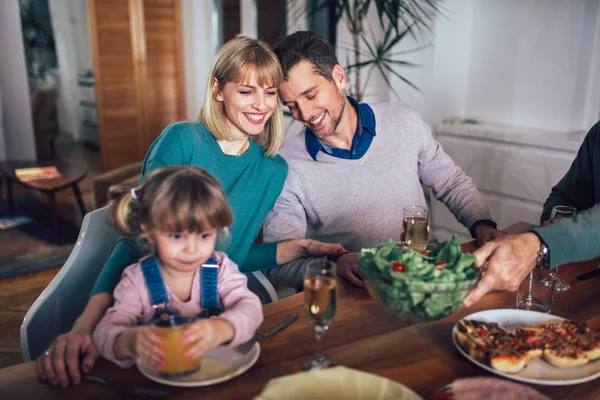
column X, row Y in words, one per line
column 290, row 250
column 73, row 353
column 67, row 357
column 509, row 259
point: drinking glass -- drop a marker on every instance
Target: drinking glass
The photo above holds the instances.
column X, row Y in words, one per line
column 533, row 294
column 320, row 289
column 560, row 212
column 415, row 228
column 170, row 329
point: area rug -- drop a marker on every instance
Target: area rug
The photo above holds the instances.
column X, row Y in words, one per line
column 32, row 246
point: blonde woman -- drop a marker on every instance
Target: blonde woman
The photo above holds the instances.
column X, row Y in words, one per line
column 236, row 140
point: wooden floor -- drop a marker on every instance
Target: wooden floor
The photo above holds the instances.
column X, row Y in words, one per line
column 17, row 294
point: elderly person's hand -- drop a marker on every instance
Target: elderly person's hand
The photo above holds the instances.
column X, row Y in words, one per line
column 510, row 259
column 485, row 233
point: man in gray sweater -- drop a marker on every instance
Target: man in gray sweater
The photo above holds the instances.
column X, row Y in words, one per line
column 356, row 166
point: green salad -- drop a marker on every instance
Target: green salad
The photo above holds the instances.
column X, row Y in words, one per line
column 426, row 285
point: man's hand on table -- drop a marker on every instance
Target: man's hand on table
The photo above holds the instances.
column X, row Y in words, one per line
column 485, row 233
column 347, row 266
column 67, row 357
column 510, row 259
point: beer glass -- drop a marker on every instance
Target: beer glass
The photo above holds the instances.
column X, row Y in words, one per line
column 415, row 228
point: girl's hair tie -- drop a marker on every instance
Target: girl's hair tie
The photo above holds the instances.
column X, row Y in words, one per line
column 133, row 193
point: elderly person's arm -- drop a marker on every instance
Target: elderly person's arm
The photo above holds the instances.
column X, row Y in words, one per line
column 577, row 188
column 512, row 257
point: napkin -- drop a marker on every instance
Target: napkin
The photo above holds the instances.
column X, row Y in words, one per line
column 335, row 383
column 492, row 389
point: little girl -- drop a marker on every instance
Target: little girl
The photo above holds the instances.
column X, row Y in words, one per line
column 179, row 211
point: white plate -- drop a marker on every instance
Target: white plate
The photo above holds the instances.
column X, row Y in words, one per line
column 335, row 383
column 217, row 365
column 537, row 370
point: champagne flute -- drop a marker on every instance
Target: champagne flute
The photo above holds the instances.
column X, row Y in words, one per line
column 415, row 228
column 559, row 212
column 320, row 289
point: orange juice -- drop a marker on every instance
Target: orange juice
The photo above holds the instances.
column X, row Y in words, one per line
column 176, row 364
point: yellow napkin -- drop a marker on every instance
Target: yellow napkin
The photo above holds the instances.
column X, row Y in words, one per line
column 335, row 383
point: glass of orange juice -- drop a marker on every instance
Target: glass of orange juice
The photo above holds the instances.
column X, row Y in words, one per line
column 170, row 328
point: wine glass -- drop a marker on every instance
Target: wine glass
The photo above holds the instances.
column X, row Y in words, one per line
column 320, row 289
column 415, row 229
column 559, row 212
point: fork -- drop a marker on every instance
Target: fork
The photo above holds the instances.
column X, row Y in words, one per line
column 129, row 389
column 244, row 348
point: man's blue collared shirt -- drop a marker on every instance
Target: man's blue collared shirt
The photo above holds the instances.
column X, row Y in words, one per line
column 360, row 143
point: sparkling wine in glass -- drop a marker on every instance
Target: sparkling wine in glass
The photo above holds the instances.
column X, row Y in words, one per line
column 415, row 228
column 320, row 289
column 559, row 212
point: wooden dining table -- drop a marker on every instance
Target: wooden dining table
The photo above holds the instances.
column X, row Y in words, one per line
column 363, row 336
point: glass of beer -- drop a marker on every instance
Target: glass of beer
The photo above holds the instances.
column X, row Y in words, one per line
column 170, row 328
column 320, row 289
column 415, row 228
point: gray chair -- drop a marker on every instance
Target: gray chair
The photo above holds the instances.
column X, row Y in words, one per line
column 59, row 305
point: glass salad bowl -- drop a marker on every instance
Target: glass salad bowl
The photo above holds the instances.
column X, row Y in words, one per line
column 419, row 286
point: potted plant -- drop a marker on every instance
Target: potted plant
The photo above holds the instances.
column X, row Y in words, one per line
column 397, row 19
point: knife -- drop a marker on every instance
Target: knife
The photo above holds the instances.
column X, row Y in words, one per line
column 588, row 275
column 129, row 389
column 244, row 348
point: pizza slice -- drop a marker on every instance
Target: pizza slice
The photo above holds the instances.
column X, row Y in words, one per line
column 589, row 344
column 564, row 355
column 508, row 360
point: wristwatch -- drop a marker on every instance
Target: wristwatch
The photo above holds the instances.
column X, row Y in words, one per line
column 543, row 257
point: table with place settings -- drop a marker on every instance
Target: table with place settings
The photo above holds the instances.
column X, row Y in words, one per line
column 363, row 336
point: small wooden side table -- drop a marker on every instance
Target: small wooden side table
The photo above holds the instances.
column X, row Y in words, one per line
column 71, row 173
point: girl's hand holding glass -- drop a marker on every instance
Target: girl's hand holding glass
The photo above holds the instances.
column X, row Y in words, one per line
column 148, row 347
column 206, row 334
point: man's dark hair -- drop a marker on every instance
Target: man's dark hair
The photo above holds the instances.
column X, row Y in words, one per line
column 306, row 46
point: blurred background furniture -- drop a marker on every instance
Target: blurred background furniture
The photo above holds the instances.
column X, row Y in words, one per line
column 45, row 121
column 138, row 71
column 71, row 175
column 128, row 175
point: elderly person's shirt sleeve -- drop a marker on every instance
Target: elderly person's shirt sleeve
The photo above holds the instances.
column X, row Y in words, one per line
column 572, row 239
column 579, row 186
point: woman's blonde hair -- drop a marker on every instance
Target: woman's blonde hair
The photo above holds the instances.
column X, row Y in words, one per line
column 171, row 199
column 237, row 59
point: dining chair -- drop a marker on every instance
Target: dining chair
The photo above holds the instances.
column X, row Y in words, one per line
column 59, row 305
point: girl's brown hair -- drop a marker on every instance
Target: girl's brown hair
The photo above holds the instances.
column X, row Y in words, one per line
column 171, row 199
column 236, row 61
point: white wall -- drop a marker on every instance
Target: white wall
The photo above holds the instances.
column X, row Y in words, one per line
column 16, row 126
column 198, row 53
column 530, row 63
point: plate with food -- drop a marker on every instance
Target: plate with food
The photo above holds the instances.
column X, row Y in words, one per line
column 415, row 285
column 529, row 346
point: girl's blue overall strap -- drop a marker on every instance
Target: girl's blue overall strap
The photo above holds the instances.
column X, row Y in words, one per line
column 154, row 281
column 209, row 275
